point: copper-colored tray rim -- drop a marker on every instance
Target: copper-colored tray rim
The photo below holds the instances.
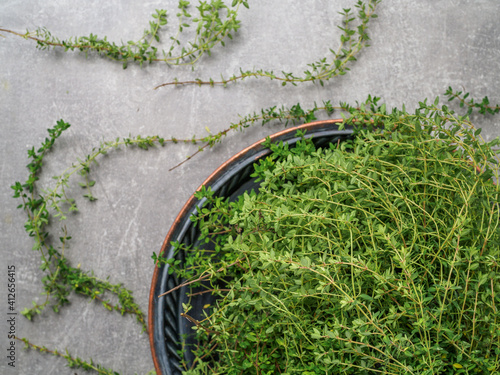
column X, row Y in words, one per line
column 189, row 204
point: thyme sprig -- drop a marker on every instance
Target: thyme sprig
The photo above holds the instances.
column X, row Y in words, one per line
column 211, row 29
column 285, row 115
column 482, row 106
column 42, row 207
column 71, row 361
column 352, row 41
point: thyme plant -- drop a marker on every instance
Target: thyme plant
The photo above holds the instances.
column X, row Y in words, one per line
column 378, row 255
column 214, row 23
column 74, row 361
column 483, row 106
column 353, row 39
column 42, row 207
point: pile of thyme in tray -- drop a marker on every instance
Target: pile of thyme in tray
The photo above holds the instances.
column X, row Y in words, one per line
column 376, row 255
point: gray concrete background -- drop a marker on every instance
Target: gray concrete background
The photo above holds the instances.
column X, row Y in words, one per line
column 418, row 49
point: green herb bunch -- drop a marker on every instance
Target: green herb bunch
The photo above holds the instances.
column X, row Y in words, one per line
column 376, row 255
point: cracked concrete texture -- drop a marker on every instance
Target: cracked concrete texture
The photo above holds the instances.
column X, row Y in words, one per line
column 418, row 49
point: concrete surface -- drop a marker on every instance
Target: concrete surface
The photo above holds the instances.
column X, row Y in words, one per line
column 418, row 49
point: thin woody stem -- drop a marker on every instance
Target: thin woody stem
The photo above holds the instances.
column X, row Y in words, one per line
column 201, row 278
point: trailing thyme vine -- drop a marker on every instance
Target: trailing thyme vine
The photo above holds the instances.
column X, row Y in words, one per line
column 286, row 115
column 482, row 106
column 352, row 41
column 41, row 208
column 210, row 30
